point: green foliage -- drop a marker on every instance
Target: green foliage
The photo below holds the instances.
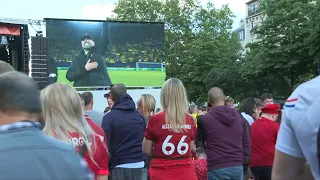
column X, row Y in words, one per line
column 200, row 48
column 314, row 25
column 282, row 58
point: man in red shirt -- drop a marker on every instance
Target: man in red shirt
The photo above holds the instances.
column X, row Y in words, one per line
column 101, row 165
column 264, row 133
column 97, row 129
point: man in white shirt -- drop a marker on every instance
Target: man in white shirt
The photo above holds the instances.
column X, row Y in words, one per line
column 88, row 102
column 296, row 148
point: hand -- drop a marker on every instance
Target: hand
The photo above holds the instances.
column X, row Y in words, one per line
column 91, row 65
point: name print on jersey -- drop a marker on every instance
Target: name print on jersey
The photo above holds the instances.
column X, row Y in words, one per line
column 77, row 141
column 169, row 126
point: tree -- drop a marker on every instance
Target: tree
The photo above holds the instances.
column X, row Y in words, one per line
column 281, row 56
column 212, row 55
column 200, row 48
column 139, row 10
column 314, row 36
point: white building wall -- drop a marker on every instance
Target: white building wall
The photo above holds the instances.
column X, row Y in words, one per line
column 100, row 103
column 254, row 18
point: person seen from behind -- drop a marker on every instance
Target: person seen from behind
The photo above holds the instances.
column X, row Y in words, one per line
column 297, row 153
column 193, row 110
column 65, row 120
column 5, row 67
column 247, row 108
column 124, row 127
column 226, row 140
column 88, row 102
column 146, row 105
column 25, row 150
column 169, row 137
column 264, row 132
column 200, row 164
column 95, row 127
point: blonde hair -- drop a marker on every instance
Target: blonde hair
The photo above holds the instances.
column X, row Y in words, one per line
column 149, row 103
column 174, row 102
column 63, row 113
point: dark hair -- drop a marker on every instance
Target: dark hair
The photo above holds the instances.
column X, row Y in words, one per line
column 247, row 106
column 258, row 102
column 81, row 98
column 19, row 93
column 265, row 96
column 87, row 97
column 117, row 91
column 5, row 67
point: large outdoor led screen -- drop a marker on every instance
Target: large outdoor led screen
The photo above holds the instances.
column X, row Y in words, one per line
column 101, row 53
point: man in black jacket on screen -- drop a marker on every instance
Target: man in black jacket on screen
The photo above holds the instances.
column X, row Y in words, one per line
column 88, row 68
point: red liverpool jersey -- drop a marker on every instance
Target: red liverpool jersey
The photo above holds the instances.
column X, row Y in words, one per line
column 100, row 155
column 171, row 151
column 97, row 129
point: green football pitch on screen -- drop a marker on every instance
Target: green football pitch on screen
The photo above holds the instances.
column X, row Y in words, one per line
column 128, row 78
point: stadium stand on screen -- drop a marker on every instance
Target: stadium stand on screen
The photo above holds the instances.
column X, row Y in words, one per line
column 132, row 51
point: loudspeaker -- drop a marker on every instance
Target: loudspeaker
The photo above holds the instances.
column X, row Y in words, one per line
column 38, row 64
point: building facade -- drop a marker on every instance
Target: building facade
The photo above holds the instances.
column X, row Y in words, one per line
column 240, row 32
column 254, row 18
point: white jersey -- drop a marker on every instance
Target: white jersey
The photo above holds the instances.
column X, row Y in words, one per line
column 300, row 124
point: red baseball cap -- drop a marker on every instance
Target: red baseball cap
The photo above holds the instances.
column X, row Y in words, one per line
column 271, row 109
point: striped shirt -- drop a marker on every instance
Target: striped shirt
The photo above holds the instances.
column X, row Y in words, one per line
column 26, row 124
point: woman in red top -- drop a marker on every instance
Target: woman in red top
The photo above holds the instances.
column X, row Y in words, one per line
column 170, row 134
column 64, row 119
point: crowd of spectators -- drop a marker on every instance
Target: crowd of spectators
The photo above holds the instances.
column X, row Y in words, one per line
column 55, row 134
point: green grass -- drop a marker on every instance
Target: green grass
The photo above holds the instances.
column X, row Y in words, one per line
column 128, row 78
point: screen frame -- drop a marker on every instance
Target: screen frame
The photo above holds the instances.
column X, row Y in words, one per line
column 112, row 21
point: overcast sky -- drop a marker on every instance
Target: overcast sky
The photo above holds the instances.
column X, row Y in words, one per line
column 86, row 9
